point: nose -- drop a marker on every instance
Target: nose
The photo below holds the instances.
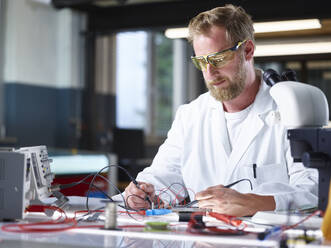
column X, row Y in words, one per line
column 211, row 70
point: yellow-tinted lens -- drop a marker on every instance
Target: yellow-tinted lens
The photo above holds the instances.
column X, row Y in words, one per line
column 200, row 62
column 220, row 59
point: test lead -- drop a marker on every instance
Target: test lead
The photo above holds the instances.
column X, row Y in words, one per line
column 226, row 186
column 134, row 181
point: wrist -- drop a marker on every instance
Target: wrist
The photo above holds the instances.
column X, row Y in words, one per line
column 261, row 203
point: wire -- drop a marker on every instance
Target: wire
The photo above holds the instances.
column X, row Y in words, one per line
column 133, row 195
column 47, row 226
column 40, row 226
column 69, row 185
column 196, row 226
column 241, row 180
column 303, row 220
column 100, row 190
column 98, row 174
column 177, row 193
column 126, row 207
column 280, row 229
column 147, row 198
column 226, row 186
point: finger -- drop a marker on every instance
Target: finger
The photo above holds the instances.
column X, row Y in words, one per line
column 131, row 192
column 220, row 208
column 205, row 194
column 214, row 201
column 200, row 197
column 216, row 187
column 137, row 199
column 137, row 206
column 135, row 202
column 206, row 204
column 132, row 189
column 214, row 192
column 148, row 188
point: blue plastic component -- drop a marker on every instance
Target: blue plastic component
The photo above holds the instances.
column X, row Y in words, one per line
column 160, row 211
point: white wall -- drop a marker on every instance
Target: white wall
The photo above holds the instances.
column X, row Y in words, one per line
column 43, row 45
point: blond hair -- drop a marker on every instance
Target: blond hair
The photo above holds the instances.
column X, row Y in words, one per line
column 238, row 24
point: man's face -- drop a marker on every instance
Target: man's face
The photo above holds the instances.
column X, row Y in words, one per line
column 227, row 82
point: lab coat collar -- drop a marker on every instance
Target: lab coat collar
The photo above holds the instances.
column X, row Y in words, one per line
column 263, row 102
column 253, row 124
column 250, row 129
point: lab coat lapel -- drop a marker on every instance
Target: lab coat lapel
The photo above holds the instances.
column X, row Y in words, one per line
column 250, row 129
column 224, row 133
column 220, row 131
column 252, row 125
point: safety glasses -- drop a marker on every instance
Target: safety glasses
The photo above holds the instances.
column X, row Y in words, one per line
column 218, row 59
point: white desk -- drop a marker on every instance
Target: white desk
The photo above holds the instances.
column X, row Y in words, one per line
column 132, row 237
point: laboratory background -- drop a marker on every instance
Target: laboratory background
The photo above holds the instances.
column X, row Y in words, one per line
column 88, row 92
column 101, row 80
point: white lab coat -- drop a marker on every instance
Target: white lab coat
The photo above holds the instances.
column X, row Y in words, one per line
column 197, row 153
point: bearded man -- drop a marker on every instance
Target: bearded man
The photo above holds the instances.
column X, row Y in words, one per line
column 227, row 135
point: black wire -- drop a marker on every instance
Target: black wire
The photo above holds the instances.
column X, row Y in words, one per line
column 126, row 207
column 226, row 186
column 69, row 185
column 234, row 183
column 98, row 174
column 100, row 190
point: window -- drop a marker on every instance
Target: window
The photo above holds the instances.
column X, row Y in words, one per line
column 131, row 76
column 144, row 82
column 163, row 84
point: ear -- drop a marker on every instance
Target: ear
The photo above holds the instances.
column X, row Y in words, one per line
column 249, row 50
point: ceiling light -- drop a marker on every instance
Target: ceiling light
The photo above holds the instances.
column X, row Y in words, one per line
column 290, row 47
column 42, row 1
column 267, row 27
column 176, row 33
column 259, row 27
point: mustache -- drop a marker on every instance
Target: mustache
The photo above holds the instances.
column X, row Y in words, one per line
column 215, row 80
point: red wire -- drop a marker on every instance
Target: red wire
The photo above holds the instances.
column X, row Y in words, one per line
column 228, row 219
column 38, row 226
column 301, row 221
column 101, row 226
column 33, row 227
column 195, row 227
column 181, row 197
column 142, row 212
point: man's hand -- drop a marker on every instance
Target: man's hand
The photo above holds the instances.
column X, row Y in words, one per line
column 136, row 197
column 231, row 202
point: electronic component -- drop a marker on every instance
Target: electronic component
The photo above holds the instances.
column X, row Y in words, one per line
column 25, row 178
column 111, row 216
column 156, row 226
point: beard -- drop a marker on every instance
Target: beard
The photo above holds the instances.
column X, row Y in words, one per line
column 235, row 87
